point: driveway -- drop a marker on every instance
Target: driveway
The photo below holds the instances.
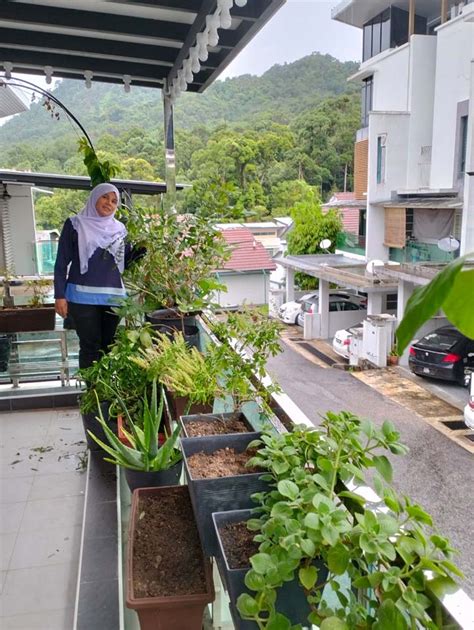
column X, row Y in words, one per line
column 437, row 472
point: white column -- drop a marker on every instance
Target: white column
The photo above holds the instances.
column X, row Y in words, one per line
column 467, row 230
column 323, row 307
column 169, row 200
column 290, row 285
column 405, row 289
column 374, row 303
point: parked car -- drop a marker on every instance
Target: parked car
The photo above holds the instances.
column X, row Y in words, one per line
column 444, row 354
column 342, row 340
column 288, row 312
column 338, row 301
column 469, row 408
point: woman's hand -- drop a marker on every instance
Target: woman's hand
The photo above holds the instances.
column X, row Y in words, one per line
column 60, row 305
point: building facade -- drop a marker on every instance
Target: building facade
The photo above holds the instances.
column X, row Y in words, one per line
column 415, row 148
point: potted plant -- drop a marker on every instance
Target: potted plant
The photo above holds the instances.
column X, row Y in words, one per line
column 311, row 519
column 187, row 250
column 35, row 315
column 146, row 462
column 393, row 357
column 169, row 582
column 219, row 478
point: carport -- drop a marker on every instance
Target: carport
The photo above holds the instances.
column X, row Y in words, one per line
column 342, row 271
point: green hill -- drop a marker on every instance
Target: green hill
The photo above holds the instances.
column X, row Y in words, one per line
column 282, row 92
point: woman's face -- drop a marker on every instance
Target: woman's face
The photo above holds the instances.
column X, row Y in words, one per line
column 106, row 204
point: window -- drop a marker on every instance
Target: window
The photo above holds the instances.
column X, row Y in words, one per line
column 381, row 148
column 463, row 144
column 389, row 29
column 367, row 96
column 349, row 306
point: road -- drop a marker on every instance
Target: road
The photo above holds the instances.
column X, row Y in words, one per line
column 437, row 473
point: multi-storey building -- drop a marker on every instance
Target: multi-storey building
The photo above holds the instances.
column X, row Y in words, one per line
column 414, row 151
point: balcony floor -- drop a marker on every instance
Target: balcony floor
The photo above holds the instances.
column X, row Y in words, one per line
column 42, row 485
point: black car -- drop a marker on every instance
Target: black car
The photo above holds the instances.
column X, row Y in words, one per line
column 444, row 353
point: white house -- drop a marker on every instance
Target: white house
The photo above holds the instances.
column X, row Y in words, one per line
column 247, row 273
column 414, row 152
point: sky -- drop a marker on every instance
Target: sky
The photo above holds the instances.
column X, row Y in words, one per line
column 299, row 28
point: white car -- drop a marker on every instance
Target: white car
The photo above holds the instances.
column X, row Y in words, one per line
column 469, row 408
column 288, row 312
column 342, row 341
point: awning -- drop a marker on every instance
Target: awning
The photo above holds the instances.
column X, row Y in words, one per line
column 341, row 203
column 11, row 102
column 144, row 42
column 75, row 182
column 437, row 203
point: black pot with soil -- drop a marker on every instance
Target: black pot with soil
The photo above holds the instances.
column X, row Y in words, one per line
column 154, row 478
column 27, row 318
column 90, row 422
column 169, row 582
column 218, row 479
column 198, row 425
column 170, row 318
column 235, row 548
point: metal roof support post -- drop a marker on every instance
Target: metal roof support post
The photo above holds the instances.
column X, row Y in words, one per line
column 169, row 198
column 444, row 11
column 411, row 19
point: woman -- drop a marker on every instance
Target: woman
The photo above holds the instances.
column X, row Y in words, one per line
column 93, row 244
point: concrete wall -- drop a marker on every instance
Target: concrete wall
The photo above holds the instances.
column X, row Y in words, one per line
column 422, row 70
column 395, row 127
column 244, row 288
column 390, row 92
column 467, row 226
column 454, row 54
column 337, row 321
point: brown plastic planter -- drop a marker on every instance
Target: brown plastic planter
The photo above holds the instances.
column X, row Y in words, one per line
column 27, row 318
column 178, row 612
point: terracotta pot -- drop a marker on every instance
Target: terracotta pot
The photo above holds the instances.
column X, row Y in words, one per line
column 179, row 406
column 392, row 359
column 177, row 612
column 27, row 318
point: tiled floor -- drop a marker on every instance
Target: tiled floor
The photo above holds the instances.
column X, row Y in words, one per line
column 42, row 482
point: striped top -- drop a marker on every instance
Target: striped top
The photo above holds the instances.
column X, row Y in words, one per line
column 101, row 284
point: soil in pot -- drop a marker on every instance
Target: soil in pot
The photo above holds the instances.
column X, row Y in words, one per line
column 225, row 462
column 215, row 424
column 238, row 543
column 167, row 550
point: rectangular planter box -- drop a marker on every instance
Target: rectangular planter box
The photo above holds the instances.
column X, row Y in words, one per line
column 291, row 600
column 219, row 493
column 172, row 612
column 210, row 417
column 27, row 318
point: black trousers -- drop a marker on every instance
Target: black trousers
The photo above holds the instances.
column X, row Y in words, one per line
column 95, row 327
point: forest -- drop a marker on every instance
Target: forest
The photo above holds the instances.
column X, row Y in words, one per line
column 251, row 147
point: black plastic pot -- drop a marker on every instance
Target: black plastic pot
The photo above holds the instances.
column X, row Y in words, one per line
column 170, row 319
column 91, row 424
column 220, row 493
column 211, row 418
column 154, row 479
column 291, row 600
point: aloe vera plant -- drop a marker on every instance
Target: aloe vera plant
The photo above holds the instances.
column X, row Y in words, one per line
column 145, row 454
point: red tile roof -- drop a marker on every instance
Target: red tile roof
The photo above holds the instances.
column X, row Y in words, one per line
column 346, row 196
column 247, row 253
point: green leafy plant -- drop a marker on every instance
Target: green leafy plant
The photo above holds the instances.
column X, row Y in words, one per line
column 310, row 520
column 99, row 171
column 145, row 453
column 178, row 270
column 40, row 289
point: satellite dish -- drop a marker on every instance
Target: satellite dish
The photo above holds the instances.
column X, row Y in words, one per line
column 372, row 265
column 448, row 244
column 325, row 243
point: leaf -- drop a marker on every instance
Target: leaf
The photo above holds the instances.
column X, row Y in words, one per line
column 459, row 303
column 279, row 622
column 308, row 576
column 288, row 489
column 389, row 617
column 247, row 606
column 262, row 563
column 311, row 520
column 425, row 302
column 308, row 547
column 384, row 467
column 416, row 512
column 338, row 559
column 333, row 623
column 254, row 581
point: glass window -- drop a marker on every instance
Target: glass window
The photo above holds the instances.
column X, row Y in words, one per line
column 439, row 341
column 367, row 51
column 376, row 31
column 463, row 144
column 381, row 159
column 349, row 306
column 366, row 101
column 333, row 306
column 385, row 37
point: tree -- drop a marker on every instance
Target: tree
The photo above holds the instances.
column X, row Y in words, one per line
column 52, row 211
column 310, row 227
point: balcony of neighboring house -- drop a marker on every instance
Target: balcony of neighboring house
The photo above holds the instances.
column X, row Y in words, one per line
column 353, row 212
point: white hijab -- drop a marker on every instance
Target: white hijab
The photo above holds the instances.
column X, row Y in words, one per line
column 94, row 231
